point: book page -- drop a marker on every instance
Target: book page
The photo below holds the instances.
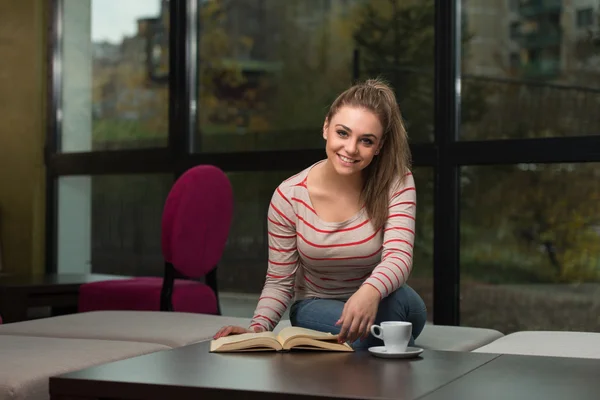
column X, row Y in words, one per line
column 246, row 341
column 293, row 332
column 243, row 337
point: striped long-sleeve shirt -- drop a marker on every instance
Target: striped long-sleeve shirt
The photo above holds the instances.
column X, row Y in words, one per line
column 309, row 257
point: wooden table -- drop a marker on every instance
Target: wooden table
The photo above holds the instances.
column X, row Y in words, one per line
column 192, row 372
column 60, row 291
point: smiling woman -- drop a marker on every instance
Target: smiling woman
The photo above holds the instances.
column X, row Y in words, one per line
column 341, row 232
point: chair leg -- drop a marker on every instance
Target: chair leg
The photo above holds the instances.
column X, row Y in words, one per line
column 166, row 293
column 211, row 281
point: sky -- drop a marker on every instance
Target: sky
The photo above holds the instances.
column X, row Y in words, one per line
column 114, row 19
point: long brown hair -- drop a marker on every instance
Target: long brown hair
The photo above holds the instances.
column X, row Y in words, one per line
column 394, row 159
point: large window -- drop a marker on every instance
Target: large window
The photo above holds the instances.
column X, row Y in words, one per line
column 109, row 99
column 268, row 69
column 503, row 125
column 530, row 253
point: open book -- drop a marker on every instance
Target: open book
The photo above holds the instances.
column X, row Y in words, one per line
column 288, row 338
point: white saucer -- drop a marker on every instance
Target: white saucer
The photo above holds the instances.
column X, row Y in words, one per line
column 411, row 352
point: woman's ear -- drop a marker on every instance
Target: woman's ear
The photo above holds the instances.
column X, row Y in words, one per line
column 325, row 127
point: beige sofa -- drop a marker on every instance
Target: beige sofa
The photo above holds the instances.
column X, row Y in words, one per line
column 179, row 329
column 546, row 343
column 32, row 351
column 26, row 362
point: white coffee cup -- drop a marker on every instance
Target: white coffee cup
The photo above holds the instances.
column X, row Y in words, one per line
column 395, row 335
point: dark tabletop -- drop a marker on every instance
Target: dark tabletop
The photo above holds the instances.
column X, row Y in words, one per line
column 19, row 292
column 193, row 372
column 517, row 377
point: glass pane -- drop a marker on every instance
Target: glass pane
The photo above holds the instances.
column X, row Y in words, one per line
column 111, row 224
column 421, row 278
column 269, row 68
column 530, row 69
column 112, row 97
column 244, row 263
column 530, row 247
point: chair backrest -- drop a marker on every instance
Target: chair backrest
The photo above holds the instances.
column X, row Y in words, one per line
column 196, row 220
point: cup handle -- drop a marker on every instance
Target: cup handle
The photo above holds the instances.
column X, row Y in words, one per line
column 374, row 333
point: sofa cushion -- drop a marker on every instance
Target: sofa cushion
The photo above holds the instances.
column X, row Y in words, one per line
column 26, row 363
column 547, row 343
column 177, row 329
column 455, row 338
column 173, row 329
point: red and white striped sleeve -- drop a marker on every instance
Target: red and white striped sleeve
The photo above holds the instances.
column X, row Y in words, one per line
column 278, row 289
column 398, row 240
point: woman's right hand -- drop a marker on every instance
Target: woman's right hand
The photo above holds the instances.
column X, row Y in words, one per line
column 234, row 330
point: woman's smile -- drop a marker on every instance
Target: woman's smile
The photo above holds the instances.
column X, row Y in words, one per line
column 346, row 161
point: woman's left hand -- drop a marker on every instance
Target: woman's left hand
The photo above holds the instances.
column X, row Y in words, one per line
column 359, row 314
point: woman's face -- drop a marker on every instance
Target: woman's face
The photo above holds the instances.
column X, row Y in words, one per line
column 353, row 137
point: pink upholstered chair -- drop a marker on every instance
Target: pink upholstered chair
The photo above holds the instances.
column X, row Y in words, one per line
column 195, row 225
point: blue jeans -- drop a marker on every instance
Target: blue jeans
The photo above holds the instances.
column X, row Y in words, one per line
column 321, row 314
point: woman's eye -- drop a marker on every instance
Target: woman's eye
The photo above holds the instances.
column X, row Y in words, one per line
column 342, row 133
